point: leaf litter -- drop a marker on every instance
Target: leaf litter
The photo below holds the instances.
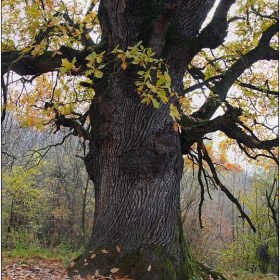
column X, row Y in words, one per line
column 42, row 269
column 52, row 269
column 23, row 269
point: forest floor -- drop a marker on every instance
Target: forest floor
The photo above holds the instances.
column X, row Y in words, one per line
column 40, row 269
column 53, row 269
column 23, row 269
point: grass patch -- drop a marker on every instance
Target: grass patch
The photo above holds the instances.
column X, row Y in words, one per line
column 250, row 276
column 61, row 253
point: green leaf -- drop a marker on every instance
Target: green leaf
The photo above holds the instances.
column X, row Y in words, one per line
column 89, row 72
column 98, row 73
column 161, row 81
column 66, row 65
column 162, row 94
column 174, row 113
column 115, row 49
column 155, row 103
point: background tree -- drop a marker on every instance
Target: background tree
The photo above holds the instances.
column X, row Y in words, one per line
column 23, row 204
column 50, row 194
column 226, row 241
column 153, row 52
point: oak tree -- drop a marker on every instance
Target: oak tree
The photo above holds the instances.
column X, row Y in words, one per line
column 122, row 75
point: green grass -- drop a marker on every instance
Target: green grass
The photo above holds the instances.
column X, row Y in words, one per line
column 61, row 253
column 249, row 276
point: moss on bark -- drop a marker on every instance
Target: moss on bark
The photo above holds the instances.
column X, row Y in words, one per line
column 151, row 263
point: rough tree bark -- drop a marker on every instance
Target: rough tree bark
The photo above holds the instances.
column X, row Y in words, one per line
column 136, row 174
column 135, row 158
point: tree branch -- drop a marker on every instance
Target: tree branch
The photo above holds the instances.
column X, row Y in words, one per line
column 207, row 158
column 254, row 157
column 267, row 91
column 235, row 132
column 272, row 203
column 262, row 52
column 27, row 64
column 272, row 16
column 45, row 149
column 5, row 95
column 184, row 31
column 215, row 32
column 85, row 40
column 200, row 168
column 193, row 129
column 197, row 74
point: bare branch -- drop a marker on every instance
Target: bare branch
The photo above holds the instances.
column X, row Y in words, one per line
column 200, row 167
column 44, row 151
column 273, row 16
column 267, row 91
column 271, row 203
column 4, row 94
column 207, row 158
column 235, row 18
column 243, row 149
column 235, row 132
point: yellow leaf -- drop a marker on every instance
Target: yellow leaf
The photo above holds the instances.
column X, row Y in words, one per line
column 93, row 256
column 66, row 63
column 104, row 251
column 40, row 125
column 123, row 65
column 56, row 52
column 176, row 126
column 124, row 58
column 10, row 106
column 118, row 247
column 114, row 270
column 31, row 122
column 32, row 11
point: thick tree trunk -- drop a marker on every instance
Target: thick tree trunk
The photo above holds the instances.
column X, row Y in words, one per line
column 136, row 165
column 135, row 158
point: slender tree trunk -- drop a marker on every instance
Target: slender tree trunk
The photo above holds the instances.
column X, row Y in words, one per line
column 84, row 211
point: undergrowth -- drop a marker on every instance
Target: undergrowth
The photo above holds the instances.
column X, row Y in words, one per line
column 62, row 253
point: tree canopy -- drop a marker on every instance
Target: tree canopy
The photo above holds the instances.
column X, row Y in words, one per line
column 60, row 55
column 211, row 72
